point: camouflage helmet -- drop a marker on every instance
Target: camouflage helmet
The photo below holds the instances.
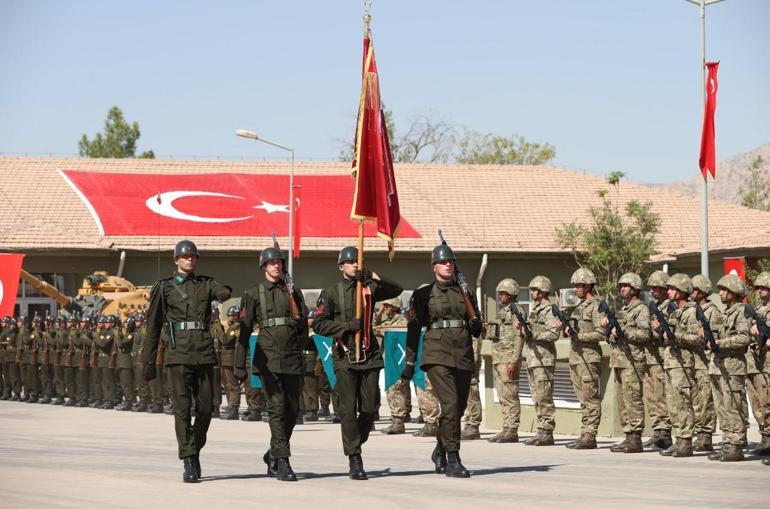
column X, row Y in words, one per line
column 394, row 302
column 442, row 252
column 681, row 282
column 631, row 279
column 762, row 279
column 541, row 283
column 232, row 311
column 509, row 286
column 185, row 247
column 658, row 278
column 347, row 254
column 269, row 253
column 583, row 276
column 732, row 283
column 702, row 283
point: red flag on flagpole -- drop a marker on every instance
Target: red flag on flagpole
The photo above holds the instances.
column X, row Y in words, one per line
column 297, row 220
column 707, row 143
column 10, row 272
column 375, row 197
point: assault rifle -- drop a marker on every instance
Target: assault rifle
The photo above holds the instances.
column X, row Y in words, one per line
column 566, row 325
column 614, row 324
column 46, row 351
column 522, row 322
column 113, row 362
column 469, row 309
column 707, row 332
column 764, row 329
column 288, row 283
column 664, row 327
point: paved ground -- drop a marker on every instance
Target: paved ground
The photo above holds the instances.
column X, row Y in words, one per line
column 70, row 457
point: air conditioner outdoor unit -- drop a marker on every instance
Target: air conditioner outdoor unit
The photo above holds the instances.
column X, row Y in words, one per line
column 568, row 298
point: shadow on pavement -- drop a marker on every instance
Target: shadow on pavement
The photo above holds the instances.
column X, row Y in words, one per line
column 234, row 477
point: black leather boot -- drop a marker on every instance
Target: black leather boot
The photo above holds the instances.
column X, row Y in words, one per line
column 454, row 467
column 285, row 473
column 197, row 465
column 272, row 468
column 357, row 472
column 189, row 474
column 438, row 457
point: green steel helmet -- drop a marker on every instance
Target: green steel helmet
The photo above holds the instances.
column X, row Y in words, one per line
column 762, row 279
column 269, row 253
column 658, row 278
column 395, row 302
column 732, row 283
column 185, row 247
column 583, row 276
column 347, row 254
column 702, row 283
column 7, row 320
column 110, row 319
column 631, row 279
column 681, row 282
column 442, row 252
column 509, row 286
column 232, row 311
column 541, row 283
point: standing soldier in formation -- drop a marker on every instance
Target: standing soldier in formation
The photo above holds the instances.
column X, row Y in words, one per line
column 452, row 319
column 83, row 344
column 59, row 340
column 28, row 346
column 180, row 308
column 70, row 361
column 277, row 310
column 758, row 366
column 144, row 398
column 124, row 364
column 506, row 359
column 357, row 386
column 654, row 377
column 6, row 338
column 231, row 384
column 43, row 370
column 105, row 339
column 10, row 367
column 400, row 394
column 627, row 360
column 728, row 369
column 703, row 399
column 585, row 357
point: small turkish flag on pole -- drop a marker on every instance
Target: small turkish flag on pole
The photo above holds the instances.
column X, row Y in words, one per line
column 707, row 143
column 297, row 220
column 10, row 271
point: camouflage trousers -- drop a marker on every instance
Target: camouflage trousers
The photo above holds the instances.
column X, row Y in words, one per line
column 629, row 397
column 585, row 382
column 400, row 399
column 654, row 390
column 703, row 403
column 759, row 395
column 508, row 394
column 473, row 411
column 541, row 388
column 729, row 394
column 680, row 383
column 428, row 403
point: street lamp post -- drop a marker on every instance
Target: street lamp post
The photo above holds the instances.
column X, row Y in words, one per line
column 252, row 135
column 704, row 227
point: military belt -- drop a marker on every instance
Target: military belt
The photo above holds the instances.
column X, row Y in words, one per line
column 273, row 322
column 309, row 352
column 447, row 324
column 187, row 326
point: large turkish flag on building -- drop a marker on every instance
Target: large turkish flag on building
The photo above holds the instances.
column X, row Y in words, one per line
column 10, row 271
column 216, row 204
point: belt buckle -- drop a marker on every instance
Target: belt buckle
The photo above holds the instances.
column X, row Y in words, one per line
column 352, row 359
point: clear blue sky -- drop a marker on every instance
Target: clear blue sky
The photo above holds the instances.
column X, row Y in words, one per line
column 614, row 85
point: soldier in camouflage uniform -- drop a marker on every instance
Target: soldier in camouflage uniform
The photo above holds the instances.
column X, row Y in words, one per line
column 679, row 365
column 399, row 394
column 627, row 360
column 231, row 385
column 727, row 368
column 703, row 399
column 473, row 411
column 758, row 367
column 540, row 355
column 585, row 357
column 506, row 359
column 654, row 376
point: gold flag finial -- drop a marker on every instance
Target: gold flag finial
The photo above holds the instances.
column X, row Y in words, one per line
column 367, row 21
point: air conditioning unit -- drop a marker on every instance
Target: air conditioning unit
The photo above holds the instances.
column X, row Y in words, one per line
column 568, row 298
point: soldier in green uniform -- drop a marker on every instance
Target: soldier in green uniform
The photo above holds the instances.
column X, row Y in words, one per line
column 399, row 395
column 507, row 347
column 83, row 342
column 10, row 367
column 277, row 356
column 357, row 386
column 137, row 355
column 654, row 376
column 70, row 361
column 105, row 340
column 758, row 368
column 703, row 399
column 180, row 308
column 309, row 398
column 232, row 385
column 59, row 341
column 447, row 354
column 727, row 368
column 44, row 359
column 28, row 339
column 256, row 403
column 124, row 364
column 218, row 333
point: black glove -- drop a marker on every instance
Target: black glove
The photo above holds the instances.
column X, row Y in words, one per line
column 239, row 374
column 362, row 275
column 354, row 325
column 475, row 326
column 149, row 372
column 408, row 372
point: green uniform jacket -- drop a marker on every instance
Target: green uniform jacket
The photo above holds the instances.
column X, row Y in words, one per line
column 588, row 317
column 137, row 347
column 756, row 362
column 69, row 338
column 714, row 316
column 734, row 337
column 187, row 299
column 279, row 349
column 540, row 350
column 231, row 338
column 26, row 342
column 508, row 348
column 8, row 337
column 451, row 347
column 126, row 342
column 105, row 339
column 336, row 307
column 654, row 346
column 685, row 327
column 634, row 319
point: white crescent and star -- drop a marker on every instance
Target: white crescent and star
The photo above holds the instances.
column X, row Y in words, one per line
column 163, row 205
column 1, row 290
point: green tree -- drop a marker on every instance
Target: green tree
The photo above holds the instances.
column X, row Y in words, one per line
column 612, row 243
column 477, row 148
column 763, row 265
column 755, row 190
column 118, row 141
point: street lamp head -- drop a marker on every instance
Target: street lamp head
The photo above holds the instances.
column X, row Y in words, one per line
column 244, row 133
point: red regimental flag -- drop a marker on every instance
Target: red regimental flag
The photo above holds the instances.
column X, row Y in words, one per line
column 297, row 220
column 10, row 271
column 375, row 198
column 707, row 143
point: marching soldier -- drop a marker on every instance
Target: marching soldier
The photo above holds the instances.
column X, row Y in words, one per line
column 231, row 384
column 357, row 387
column 585, row 357
column 627, row 360
column 444, row 309
column 703, row 399
column 654, row 376
column 758, row 368
column 540, row 354
column 124, row 364
column 399, row 395
column 506, row 359
column 179, row 308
